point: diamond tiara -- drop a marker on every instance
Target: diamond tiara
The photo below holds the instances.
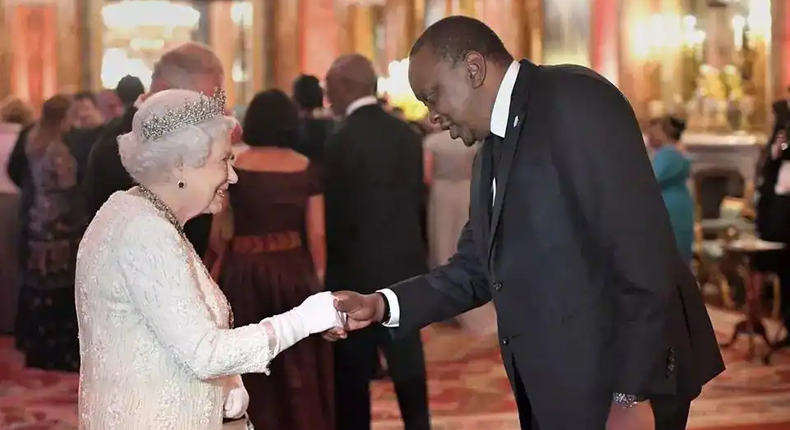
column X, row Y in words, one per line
column 190, row 113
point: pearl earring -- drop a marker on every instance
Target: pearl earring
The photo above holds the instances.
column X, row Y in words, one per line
column 181, row 184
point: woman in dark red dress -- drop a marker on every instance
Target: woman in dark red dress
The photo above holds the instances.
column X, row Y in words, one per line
column 274, row 259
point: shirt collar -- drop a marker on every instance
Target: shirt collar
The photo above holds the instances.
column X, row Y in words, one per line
column 360, row 102
column 501, row 110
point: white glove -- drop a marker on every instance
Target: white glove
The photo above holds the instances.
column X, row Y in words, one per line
column 236, row 403
column 316, row 314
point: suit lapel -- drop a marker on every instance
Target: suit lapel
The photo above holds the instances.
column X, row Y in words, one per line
column 516, row 120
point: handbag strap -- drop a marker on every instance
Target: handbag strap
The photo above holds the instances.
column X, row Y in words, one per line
column 247, row 421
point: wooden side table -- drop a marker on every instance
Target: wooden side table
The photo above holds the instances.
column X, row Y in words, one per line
column 752, row 324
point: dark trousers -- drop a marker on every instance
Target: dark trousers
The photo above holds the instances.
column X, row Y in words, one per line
column 355, row 367
column 670, row 412
column 784, row 299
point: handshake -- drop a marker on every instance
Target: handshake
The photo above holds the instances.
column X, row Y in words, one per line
column 336, row 314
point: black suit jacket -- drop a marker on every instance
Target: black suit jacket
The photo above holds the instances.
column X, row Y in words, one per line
column 579, row 257
column 19, row 172
column 313, row 134
column 105, row 175
column 374, row 192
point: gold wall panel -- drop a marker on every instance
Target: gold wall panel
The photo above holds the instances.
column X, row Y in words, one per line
column 320, row 36
column 221, row 40
column 5, row 52
column 40, row 41
column 287, row 42
column 402, row 27
column 260, row 43
column 780, row 50
column 637, row 76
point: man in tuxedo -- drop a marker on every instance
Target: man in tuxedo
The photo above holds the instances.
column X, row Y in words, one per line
column 191, row 66
column 373, row 194
column 600, row 321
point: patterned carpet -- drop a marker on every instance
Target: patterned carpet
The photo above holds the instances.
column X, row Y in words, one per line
column 467, row 385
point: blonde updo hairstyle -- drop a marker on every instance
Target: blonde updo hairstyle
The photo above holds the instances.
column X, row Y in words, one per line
column 15, row 111
column 157, row 161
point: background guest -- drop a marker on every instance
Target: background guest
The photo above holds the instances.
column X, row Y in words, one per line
column 672, row 170
column 314, row 127
column 448, row 167
column 88, row 126
column 15, row 115
column 268, row 266
column 46, row 326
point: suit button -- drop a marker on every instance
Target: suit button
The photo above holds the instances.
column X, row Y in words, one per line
column 505, row 341
column 497, row 286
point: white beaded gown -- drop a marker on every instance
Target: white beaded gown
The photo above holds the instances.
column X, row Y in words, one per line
column 155, row 345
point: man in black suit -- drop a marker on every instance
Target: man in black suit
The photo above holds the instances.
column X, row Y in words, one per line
column 191, row 66
column 374, row 191
column 599, row 318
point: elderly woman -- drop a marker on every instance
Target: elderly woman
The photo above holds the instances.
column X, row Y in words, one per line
column 156, row 336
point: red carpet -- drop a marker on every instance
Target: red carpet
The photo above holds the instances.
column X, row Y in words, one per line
column 467, row 385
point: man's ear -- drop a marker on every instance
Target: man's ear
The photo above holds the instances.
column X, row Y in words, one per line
column 476, row 68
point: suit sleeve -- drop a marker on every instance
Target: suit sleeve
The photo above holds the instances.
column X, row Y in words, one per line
column 17, row 162
column 600, row 142
column 446, row 291
column 335, row 171
column 105, row 173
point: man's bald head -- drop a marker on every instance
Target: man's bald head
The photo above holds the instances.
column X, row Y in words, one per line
column 190, row 66
column 350, row 77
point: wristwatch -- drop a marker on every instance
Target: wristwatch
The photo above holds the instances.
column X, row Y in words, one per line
column 386, row 317
column 626, row 401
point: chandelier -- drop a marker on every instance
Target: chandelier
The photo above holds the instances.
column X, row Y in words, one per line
column 149, row 13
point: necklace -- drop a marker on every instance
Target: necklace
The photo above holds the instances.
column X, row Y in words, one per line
column 162, row 207
column 171, row 217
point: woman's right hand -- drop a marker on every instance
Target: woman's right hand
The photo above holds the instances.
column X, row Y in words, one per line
column 318, row 313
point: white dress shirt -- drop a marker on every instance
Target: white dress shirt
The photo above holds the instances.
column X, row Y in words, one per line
column 360, row 102
column 499, row 117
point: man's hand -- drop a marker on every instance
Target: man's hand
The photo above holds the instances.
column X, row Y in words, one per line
column 640, row 417
column 361, row 310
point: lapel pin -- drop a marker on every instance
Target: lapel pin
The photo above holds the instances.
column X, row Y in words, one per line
column 515, row 122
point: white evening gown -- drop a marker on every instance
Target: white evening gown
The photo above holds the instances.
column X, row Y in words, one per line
column 448, row 212
column 154, row 340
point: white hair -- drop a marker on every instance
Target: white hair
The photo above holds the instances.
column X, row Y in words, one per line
column 155, row 161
